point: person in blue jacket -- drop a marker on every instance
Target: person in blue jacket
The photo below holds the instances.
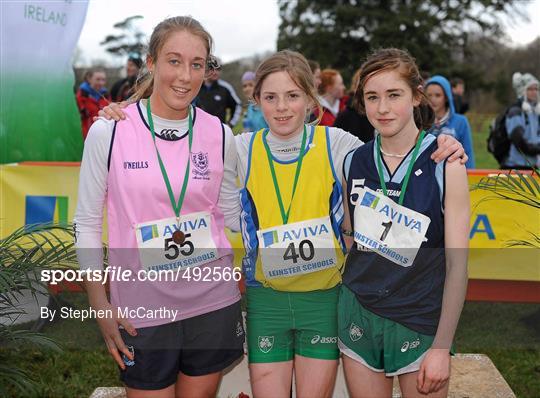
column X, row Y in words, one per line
column 253, row 117
column 523, row 124
column 447, row 121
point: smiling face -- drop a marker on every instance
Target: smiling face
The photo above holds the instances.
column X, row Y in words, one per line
column 389, row 103
column 437, row 99
column 283, row 104
column 178, row 74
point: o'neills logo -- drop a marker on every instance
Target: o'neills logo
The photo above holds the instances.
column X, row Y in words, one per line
column 143, row 164
column 200, row 162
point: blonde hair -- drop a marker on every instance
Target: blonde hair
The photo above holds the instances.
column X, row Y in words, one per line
column 298, row 69
column 144, row 86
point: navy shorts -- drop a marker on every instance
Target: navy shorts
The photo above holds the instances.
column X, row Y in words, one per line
column 197, row 346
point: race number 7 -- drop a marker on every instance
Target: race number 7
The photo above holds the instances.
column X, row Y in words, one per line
column 305, row 250
column 186, row 246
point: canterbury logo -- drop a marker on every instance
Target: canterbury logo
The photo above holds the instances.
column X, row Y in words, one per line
column 169, row 134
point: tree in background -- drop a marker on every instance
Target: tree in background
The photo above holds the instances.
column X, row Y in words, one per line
column 341, row 33
column 129, row 41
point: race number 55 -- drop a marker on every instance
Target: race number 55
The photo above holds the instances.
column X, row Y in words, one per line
column 172, row 250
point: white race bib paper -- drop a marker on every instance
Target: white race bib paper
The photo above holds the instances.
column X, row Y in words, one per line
column 387, row 228
column 298, row 248
column 159, row 252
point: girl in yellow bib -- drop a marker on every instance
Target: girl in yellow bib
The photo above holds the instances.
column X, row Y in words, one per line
column 292, row 210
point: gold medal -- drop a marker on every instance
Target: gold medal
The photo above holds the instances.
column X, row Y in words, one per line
column 178, row 237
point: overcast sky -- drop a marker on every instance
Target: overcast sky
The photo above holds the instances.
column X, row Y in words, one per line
column 240, row 28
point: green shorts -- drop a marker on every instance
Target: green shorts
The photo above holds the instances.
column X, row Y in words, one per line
column 378, row 343
column 283, row 324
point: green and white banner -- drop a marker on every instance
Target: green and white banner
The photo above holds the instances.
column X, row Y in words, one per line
column 39, row 120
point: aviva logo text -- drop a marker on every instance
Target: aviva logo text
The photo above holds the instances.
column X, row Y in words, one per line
column 46, row 209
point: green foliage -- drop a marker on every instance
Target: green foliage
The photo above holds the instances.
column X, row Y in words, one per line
column 434, row 31
column 22, row 255
column 129, row 41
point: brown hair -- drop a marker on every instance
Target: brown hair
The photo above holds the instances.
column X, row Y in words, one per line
column 144, row 86
column 354, row 82
column 328, row 77
column 313, row 65
column 388, row 59
column 90, row 72
column 298, row 69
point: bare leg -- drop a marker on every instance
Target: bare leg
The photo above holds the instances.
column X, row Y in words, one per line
column 363, row 382
column 407, row 383
column 167, row 392
column 271, row 380
column 198, row 386
column 314, row 377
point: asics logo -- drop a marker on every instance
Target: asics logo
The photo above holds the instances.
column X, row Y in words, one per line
column 410, row 345
column 323, row 340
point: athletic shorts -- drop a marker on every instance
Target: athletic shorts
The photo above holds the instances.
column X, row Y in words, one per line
column 378, row 343
column 197, row 346
column 281, row 325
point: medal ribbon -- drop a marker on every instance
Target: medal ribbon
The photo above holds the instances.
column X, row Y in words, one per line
column 409, row 169
column 285, row 215
column 176, row 206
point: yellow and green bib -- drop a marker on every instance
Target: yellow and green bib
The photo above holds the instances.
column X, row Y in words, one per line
column 305, row 253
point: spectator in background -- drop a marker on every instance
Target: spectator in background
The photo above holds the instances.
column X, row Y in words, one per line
column 461, row 105
column 349, row 119
column 91, row 97
column 523, row 124
column 253, row 116
column 331, row 93
column 218, row 97
column 123, row 88
column 316, row 70
column 447, row 121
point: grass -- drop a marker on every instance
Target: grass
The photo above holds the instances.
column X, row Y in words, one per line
column 508, row 333
column 480, row 132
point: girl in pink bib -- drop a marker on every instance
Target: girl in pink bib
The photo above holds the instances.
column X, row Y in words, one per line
column 173, row 290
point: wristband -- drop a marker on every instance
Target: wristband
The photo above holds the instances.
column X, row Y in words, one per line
column 347, row 232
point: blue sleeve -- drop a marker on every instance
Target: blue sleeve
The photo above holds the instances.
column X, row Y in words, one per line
column 465, row 137
column 513, row 121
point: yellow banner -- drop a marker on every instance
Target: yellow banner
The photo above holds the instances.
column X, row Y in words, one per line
column 46, row 192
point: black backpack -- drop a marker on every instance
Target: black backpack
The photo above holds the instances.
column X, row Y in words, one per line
column 498, row 142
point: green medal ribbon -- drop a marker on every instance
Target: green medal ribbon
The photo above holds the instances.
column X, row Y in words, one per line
column 176, row 206
column 285, row 215
column 409, row 170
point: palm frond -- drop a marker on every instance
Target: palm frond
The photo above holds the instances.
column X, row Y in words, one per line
column 516, row 187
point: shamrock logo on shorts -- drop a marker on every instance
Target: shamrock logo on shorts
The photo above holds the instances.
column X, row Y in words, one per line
column 266, row 343
column 355, row 332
